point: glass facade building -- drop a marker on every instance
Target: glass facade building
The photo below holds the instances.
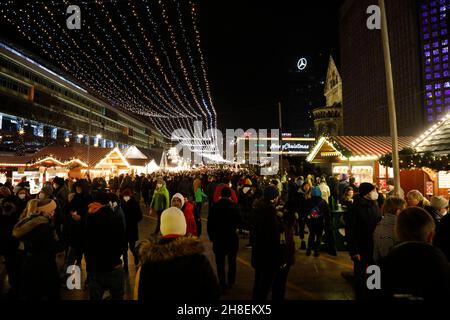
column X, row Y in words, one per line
column 434, row 24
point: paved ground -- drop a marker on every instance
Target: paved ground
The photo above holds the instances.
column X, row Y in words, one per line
column 310, row 278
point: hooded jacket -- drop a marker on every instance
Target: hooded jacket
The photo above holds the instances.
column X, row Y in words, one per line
column 160, row 200
column 39, row 271
column 175, row 269
column 105, row 239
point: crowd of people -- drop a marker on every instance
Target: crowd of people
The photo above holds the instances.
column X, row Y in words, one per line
column 98, row 220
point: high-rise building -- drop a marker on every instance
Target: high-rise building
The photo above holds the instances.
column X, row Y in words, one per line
column 363, row 72
column 434, row 25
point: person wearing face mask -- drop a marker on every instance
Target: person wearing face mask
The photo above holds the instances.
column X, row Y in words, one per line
column 362, row 219
column 133, row 215
column 160, row 201
column 21, row 198
column 40, row 280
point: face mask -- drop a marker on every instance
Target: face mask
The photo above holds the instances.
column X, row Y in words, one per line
column 230, row 185
column 22, row 196
column 373, row 195
column 159, row 185
column 55, row 186
column 126, row 198
column 41, row 195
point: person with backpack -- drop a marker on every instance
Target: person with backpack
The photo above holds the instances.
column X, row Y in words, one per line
column 315, row 220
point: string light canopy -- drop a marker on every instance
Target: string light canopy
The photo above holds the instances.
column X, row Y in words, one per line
column 142, row 56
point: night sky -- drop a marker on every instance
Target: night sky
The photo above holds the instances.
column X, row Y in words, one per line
column 252, row 47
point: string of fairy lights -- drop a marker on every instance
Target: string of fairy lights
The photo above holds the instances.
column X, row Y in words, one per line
column 143, row 56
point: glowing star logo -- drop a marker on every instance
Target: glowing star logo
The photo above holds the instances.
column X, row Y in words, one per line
column 302, row 63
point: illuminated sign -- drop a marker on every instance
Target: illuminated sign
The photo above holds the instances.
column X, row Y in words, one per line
column 302, row 63
column 290, row 147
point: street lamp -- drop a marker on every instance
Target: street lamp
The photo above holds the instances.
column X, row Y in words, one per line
column 21, row 132
column 66, row 139
column 80, row 136
column 99, row 136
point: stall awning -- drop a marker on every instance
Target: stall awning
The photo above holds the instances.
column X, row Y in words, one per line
column 355, row 148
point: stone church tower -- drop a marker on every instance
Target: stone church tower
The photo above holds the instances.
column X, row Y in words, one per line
column 329, row 119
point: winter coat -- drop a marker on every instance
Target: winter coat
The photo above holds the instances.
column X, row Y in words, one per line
column 418, row 269
column 176, row 269
column 442, row 238
column 75, row 229
column 40, row 278
column 133, row 215
column 224, row 220
column 105, row 239
column 384, row 237
column 362, row 219
column 199, row 195
column 188, row 211
column 266, row 228
column 315, row 212
column 218, row 193
column 160, row 200
column 9, row 216
column 325, row 189
column 185, row 188
column 434, row 213
column 210, row 189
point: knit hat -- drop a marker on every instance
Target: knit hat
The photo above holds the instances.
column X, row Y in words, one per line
column 270, row 193
column 179, row 196
column 316, row 192
column 247, row 182
column 47, row 190
column 225, row 192
column 173, row 222
column 365, row 188
column 391, row 182
column 439, row 202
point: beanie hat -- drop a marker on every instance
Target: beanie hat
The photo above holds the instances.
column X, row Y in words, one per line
column 316, row 192
column 391, row 182
column 439, row 202
column 365, row 188
column 247, row 182
column 173, row 222
column 179, row 196
column 270, row 193
column 47, row 190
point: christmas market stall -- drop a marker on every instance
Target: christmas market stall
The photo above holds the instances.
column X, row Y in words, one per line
column 425, row 163
column 141, row 162
column 13, row 168
column 356, row 156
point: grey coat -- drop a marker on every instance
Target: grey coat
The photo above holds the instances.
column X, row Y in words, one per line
column 384, row 237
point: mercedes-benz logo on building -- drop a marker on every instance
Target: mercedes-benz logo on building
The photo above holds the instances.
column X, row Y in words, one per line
column 302, row 63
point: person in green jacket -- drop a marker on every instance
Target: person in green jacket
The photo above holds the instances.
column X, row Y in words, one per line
column 160, row 201
column 199, row 196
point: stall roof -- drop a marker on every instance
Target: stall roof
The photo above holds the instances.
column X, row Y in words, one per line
column 65, row 154
column 436, row 139
column 358, row 147
column 13, row 161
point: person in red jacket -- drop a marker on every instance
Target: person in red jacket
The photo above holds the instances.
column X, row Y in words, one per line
column 187, row 207
column 218, row 191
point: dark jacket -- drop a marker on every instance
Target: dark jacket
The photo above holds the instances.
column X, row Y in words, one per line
column 266, row 228
column 362, row 219
column 442, row 238
column 434, row 213
column 105, row 239
column 316, row 205
column 223, row 221
column 75, row 229
column 39, row 271
column 417, row 269
column 9, row 216
column 177, row 270
column 133, row 215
